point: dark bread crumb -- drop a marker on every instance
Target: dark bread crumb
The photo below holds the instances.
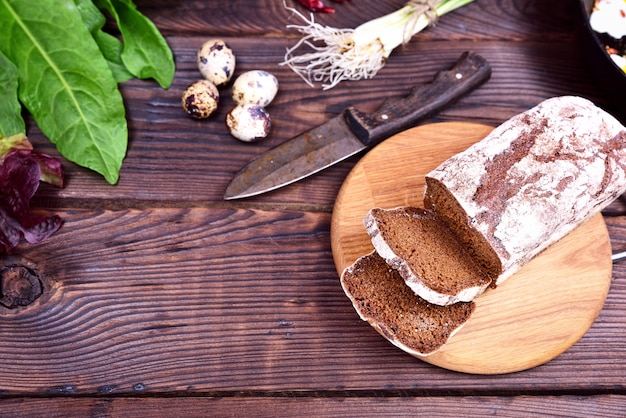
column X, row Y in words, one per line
column 381, row 297
column 426, row 248
column 442, row 201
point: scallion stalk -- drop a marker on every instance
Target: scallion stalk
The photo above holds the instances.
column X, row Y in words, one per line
column 354, row 54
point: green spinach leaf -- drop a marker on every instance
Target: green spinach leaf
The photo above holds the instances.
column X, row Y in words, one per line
column 11, row 121
column 65, row 82
column 146, row 54
column 110, row 46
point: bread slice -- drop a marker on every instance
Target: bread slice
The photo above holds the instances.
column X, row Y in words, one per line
column 381, row 298
column 432, row 260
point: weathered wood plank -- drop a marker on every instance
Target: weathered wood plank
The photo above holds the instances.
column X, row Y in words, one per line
column 208, row 300
column 172, row 157
column 504, row 19
column 600, row 406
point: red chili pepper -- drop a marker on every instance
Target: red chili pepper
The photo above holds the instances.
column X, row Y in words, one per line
column 316, row 6
column 319, row 6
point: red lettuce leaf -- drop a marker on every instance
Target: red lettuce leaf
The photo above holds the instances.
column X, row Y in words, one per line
column 50, row 169
column 20, row 174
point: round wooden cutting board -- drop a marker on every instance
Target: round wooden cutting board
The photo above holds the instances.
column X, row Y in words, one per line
column 528, row 320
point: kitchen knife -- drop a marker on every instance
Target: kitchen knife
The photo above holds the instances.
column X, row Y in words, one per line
column 353, row 131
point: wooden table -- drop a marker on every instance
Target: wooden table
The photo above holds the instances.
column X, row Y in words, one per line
column 162, row 299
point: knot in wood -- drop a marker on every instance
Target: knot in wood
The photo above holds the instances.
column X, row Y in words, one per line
column 19, row 286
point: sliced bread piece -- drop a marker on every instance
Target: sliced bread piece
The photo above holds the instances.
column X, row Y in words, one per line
column 381, row 298
column 427, row 254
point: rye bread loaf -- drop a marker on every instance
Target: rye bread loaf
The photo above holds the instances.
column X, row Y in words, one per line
column 381, row 298
column 427, row 254
column 527, row 184
column 530, row 182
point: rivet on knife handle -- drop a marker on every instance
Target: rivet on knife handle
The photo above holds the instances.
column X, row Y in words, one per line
column 393, row 116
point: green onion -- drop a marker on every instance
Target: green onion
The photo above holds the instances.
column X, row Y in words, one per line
column 354, row 54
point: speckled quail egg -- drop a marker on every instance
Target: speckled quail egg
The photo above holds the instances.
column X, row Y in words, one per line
column 216, row 61
column 255, row 87
column 200, row 99
column 248, row 122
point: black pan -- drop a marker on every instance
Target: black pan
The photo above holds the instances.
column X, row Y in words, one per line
column 609, row 77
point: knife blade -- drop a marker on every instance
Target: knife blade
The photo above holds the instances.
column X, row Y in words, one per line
column 353, row 131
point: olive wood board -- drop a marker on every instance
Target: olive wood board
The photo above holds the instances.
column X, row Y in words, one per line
column 528, row 320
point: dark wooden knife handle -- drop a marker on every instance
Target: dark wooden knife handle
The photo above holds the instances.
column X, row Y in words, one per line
column 395, row 115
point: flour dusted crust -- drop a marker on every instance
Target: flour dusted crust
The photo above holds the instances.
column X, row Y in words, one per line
column 380, row 297
column 531, row 181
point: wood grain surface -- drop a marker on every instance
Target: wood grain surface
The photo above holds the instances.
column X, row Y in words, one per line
column 160, row 298
column 529, row 319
